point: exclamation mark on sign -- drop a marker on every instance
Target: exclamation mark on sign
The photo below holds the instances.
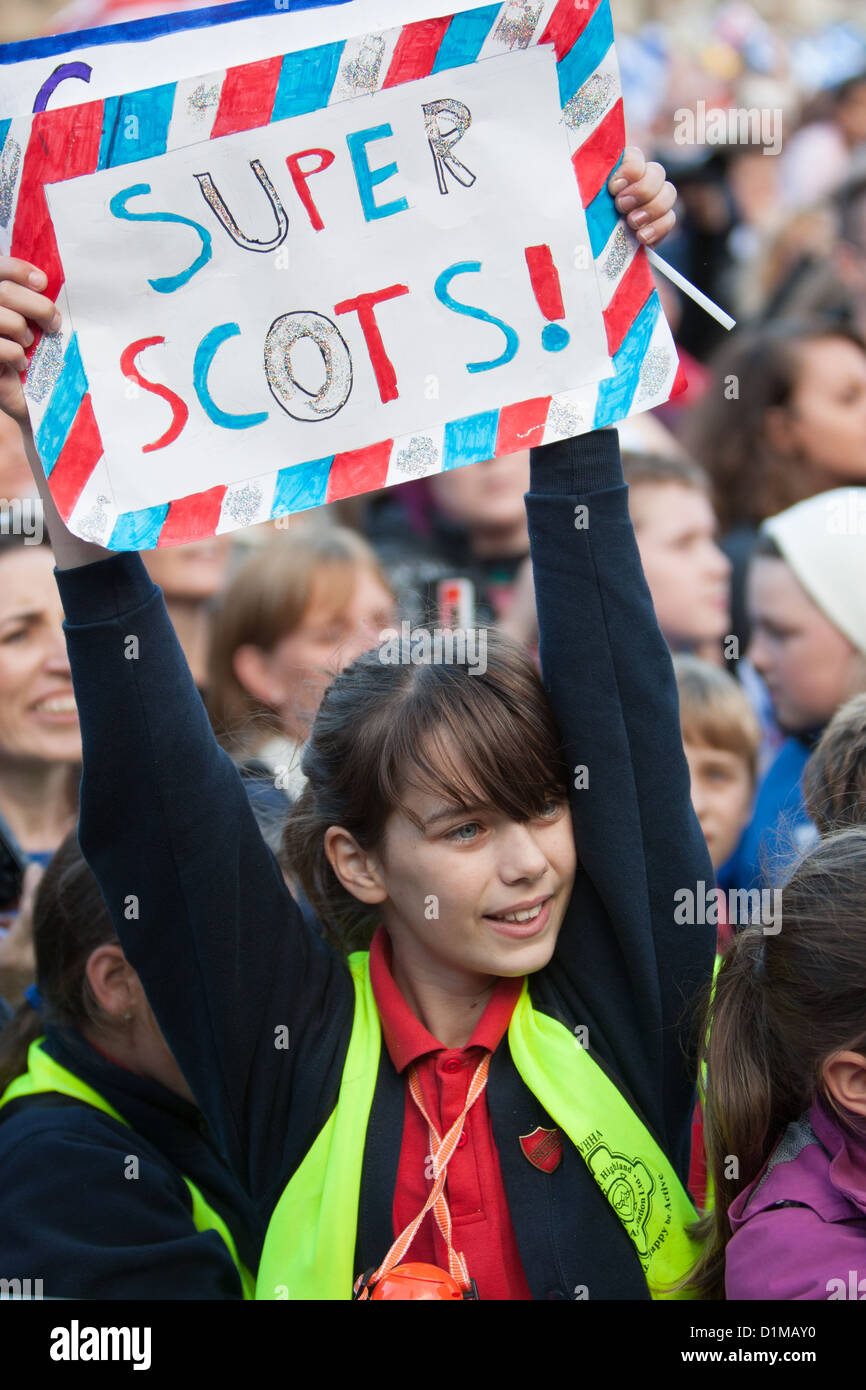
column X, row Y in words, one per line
column 546, row 287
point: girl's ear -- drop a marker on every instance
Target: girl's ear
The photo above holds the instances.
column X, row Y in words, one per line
column 253, row 669
column 845, row 1079
column 113, row 981
column 359, row 871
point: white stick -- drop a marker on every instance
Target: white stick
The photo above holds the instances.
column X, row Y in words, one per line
column 687, row 288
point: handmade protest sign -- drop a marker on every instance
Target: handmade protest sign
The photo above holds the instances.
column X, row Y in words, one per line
column 378, row 265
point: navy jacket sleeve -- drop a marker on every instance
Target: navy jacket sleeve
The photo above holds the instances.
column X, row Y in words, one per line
column 100, row 1233
column 254, row 1006
column 608, row 673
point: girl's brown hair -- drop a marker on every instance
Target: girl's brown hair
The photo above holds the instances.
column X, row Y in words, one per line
column 783, row 1004
column 715, row 710
column 834, row 779
column 264, row 602
column 469, row 736
column 70, row 920
column 728, row 434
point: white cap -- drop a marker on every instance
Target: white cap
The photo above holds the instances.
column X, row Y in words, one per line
column 824, row 541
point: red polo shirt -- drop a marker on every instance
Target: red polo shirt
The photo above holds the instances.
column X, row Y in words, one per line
column 481, row 1221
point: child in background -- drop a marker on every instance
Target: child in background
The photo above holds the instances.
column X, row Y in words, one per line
column 785, row 1052
column 834, row 782
column 721, row 735
column 463, row 523
column 297, row 612
column 807, row 600
column 86, row 1081
column 688, row 576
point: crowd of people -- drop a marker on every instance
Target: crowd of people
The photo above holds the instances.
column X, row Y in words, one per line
column 374, row 970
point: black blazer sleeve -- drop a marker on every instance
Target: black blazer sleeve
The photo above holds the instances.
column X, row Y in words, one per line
column 608, row 673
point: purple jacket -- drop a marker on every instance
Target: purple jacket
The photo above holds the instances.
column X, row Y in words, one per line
column 800, row 1228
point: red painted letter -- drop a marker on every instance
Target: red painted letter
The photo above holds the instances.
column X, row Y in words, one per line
column 300, row 177
column 364, row 306
column 180, row 412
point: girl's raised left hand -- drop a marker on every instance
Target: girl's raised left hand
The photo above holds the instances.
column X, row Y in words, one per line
column 644, row 196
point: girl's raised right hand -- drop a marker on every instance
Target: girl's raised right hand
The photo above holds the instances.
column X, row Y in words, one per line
column 20, row 300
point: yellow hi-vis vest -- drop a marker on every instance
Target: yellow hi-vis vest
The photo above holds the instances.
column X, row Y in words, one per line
column 45, row 1074
column 309, row 1248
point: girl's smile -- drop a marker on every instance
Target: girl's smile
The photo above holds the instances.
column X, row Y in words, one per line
column 522, row 921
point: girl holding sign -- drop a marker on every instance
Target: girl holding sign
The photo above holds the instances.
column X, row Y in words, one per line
column 489, row 1096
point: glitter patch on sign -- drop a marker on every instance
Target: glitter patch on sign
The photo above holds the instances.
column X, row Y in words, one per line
column 94, row 526
column 590, row 102
column 243, row 503
column 617, row 255
column 202, row 99
column 418, row 458
column 565, row 420
column 45, row 367
column 517, row 26
column 653, row 372
column 10, row 163
column 362, row 72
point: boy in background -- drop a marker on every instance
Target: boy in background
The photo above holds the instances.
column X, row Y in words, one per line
column 807, row 603
column 721, row 736
column 688, row 575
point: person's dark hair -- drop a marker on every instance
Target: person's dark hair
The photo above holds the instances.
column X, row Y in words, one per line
column 834, row 779
column 783, row 1004
column 70, row 919
column 468, row 736
column 727, row 432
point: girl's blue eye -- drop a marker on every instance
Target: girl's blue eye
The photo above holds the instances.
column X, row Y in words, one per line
column 456, row 833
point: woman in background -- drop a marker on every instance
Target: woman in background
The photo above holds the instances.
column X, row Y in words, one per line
column 297, row 612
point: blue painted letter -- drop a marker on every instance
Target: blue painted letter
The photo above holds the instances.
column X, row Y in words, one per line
column 512, row 341
column 205, row 354
column 367, row 178
column 169, row 283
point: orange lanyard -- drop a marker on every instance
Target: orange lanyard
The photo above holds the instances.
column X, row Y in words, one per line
column 441, row 1151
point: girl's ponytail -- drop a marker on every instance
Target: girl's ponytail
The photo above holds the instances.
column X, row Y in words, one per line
column 21, row 1030
column 738, row 1054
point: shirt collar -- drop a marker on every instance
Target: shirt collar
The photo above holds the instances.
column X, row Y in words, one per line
column 847, row 1152
column 405, row 1036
